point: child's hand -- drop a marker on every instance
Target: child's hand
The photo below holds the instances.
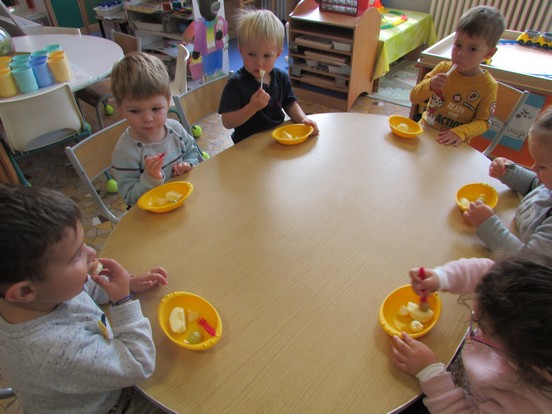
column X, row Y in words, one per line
column 313, row 124
column 447, row 137
column 411, row 356
column 477, row 213
column 114, row 279
column 181, row 168
column 437, row 82
column 154, row 166
column 155, row 277
column 499, row 166
column 259, row 99
column 422, row 287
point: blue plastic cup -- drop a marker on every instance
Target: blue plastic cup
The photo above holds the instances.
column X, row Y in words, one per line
column 38, row 53
column 41, row 72
column 25, row 79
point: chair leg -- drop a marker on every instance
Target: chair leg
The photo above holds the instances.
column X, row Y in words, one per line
column 18, row 171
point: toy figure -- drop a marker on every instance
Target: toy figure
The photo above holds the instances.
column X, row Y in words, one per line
column 209, row 36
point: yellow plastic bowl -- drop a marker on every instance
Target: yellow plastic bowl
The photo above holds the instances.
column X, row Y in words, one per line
column 190, row 302
column 414, row 129
column 393, row 323
column 150, row 200
column 474, row 191
column 297, row 132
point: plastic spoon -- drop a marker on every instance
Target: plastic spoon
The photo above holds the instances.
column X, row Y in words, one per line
column 452, row 69
column 262, row 73
column 424, row 305
column 208, row 328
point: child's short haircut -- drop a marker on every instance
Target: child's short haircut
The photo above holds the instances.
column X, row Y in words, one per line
column 139, row 76
column 513, row 301
column 32, row 220
column 259, row 25
column 542, row 127
column 483, row 21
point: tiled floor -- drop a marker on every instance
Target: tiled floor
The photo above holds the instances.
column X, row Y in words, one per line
column 52, row 169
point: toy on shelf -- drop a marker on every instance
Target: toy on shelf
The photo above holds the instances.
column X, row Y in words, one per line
column 535, row 38
column 387, row 23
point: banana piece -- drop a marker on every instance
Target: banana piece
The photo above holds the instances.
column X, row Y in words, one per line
column 177, row 320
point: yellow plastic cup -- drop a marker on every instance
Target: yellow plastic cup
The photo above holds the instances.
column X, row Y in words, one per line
column 5, row 60
column 59, row 66
column 8, row 87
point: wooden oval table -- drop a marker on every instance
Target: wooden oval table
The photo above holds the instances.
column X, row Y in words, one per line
column 297, row 246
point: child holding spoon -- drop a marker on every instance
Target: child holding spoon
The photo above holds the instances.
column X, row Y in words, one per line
column 258, row 96
column 505, row 365
column 461, row 94
column 153, row 148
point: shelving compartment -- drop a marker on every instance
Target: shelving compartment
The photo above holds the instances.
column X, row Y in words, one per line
column 332, row 56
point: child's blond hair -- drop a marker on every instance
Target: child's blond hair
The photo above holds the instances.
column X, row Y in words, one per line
column 139, row 76
column 542, row 128
column 259, row 25
column 483, row 21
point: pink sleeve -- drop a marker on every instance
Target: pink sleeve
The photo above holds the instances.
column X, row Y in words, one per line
column 462, row 276
column 442, row 396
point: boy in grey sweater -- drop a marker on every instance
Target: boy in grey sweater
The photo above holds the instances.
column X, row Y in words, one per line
column 59, row 352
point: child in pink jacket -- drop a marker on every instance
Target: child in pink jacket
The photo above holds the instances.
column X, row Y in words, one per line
column 507, row 354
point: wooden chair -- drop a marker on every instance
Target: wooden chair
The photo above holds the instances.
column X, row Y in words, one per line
column 92, row 158
column 508, row 103
column 180, row 83
column 98, row 94
column 38, row 30
column 38, row 122
column 200, row 102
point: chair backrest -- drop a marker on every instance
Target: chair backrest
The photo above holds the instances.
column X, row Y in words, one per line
column 40, row 120
column 61, row 30
column 508, row 102
column 92, row 158
column 127, row 42
column 180, row 83
column 200, row 102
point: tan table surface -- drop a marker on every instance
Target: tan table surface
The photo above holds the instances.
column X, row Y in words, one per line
column 297, row 246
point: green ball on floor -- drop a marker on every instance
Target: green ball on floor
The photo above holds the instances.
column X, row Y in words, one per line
column 111, row 186
column 108, row 110
column 205, row 155
column 196, row 131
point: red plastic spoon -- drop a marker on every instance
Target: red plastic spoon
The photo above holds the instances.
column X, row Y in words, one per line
column 424, row 305
column 208, row 328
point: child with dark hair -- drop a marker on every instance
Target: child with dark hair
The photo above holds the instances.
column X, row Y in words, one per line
column 461, row 94
column 507, row 357
column 59, row 352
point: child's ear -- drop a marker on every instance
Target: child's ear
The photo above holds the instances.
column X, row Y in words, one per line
column 20, row 292
column 491, row 53
column 279, row 53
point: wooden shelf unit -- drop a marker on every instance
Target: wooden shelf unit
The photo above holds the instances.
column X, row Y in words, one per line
column 318, row 85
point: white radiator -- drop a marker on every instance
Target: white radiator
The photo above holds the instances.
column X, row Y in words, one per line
column 519, row 15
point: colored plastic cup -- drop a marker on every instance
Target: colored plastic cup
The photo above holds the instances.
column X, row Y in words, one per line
column 42, row 72
column 59, row 66
column 5, row 60
column 18, row 64
column 7, row 84
column 25, row 79
column 52, row 48
column 38, row 53
column 22, row 57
